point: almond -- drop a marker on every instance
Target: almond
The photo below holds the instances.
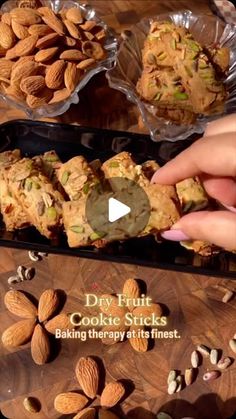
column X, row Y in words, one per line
column 46, row 54
column 7, row 37
column 40, row 346
column 87, row 374
column 138, row 343
column 32, row 85
column 11, row 54
column 67, row 403
column 108, row 340
column 59, row 96
column 48, row 304
column 55, row 75
column 23, row 60
column 47, row 40
column 39, row 29
column 89, row 36
column 43, row 10
column 17, row 303
column 72, row 29
column 19, row 333
column 74, row 15
column 53, row 22
column 88, row 25
column 88, row 413
column 148, row 310
column 72, row 55
column 71, row 76
column 107, row 414
column 112, row 394
column 6, row 18
column 26, row 46
column 61, row 322
column 19, row 30
column 41, row 100
column 25, row 69
column 69, row 42
column 5, row 68
column 114, row 309
column 86, row 63
column 131, row 289
column 25, row 16
column 15, row 92
column 3, row 52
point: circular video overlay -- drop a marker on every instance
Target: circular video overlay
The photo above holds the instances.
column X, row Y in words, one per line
column 119, row 214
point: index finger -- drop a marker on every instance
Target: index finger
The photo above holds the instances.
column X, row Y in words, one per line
column 214, row 155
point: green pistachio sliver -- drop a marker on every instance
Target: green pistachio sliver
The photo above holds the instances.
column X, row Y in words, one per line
column 77, row 229
column 158, row 96
column 162, row 56
column 181, row 96
column 202, row 64
column 173, row 44
column 36, row 185
column 151, row 58
column 194, row 46
column 28, row 184
column 51, row 213
column 96, row 236
column 86, row 188
column 114, row 164
column 188, row 71
column 65, row 177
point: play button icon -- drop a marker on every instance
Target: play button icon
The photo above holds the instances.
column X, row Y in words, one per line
column 117, row 210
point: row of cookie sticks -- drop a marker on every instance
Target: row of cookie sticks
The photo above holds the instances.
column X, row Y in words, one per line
column 48, row 194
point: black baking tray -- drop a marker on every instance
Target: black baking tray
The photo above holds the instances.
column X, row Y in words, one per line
column 34, row 138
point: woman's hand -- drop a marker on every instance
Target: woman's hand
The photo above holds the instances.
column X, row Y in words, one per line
column 213, row 159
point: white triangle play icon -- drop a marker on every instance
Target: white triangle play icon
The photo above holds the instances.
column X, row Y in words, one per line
column 117, row 210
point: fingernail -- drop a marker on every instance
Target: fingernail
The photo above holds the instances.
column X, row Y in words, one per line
column 175, row 235
column 232, row 209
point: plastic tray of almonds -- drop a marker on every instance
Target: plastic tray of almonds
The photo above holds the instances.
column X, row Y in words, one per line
column 49, row 50
column 179, row 69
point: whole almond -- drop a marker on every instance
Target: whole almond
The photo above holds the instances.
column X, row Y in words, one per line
column 59, row 96
column 138, row 343
column 48, row 304
column 11, row 54
column 87, row 374
column 107, row 414
column 69, row 42
column 88, row 25
column 17, row 303
column 15, row 93
column 26, row 46
column 72, row 55
column 19, row 333
column 23, row 60
column 55, row 75
column 131, row 289
column 25, row 16
column 23, row 69
column 87, row 413
column 40, row 346
column 32, row 85
column 41, row 100
column 114, row 309
column 61, row 322
column 39, row 29
column 88, row 35
column 86, row 63
column 112, row 394
column 6, row 68
column 189, row 376
column 74, row 15
column 146, row 311
column 47, row 40
column 112, row 339
column 67, row 403
column 72, row 29
column 7, row 36
column 6, row 18
column 44, row 10
column 211, row 375
column 19, row 30
column 71, row 76
column 53, row 22
column 46, row 54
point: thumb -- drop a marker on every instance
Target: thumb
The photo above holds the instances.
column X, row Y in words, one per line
column 218, row 228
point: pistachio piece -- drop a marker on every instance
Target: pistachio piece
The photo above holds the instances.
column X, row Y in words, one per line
column 151, row 59
column 51, row 159
column 194, row 46
column 51, row 213
column 202, row 64
column 173, row 44
column 77, row 229
column 181, row 96
column 28, row 184
column 36, row 185
column 96, row 236
column 65, row 177
column 162, row 56
column 86, row 188
column 158, row 96
column 114, row 164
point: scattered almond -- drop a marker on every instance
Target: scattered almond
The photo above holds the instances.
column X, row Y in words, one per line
column 15, row 92
column 72, row 55
column 25, row 16
column 131, row 289
column 114, row 309
column 23, row 60
column 19, row 30
column 55, row 75
column 26, row 46
column 17, row 303
column 5, row 68
column 67, row 403
column 88, row 25
column 69, row 42
column 6, row 18
column 23, row 69
column 19, row 333
column 32, row 85
column 139, row 344
column 85, row 63
column 46, row 54
column 40, row 29
column 7, row 37
column 47, row 40
column 71, row 76
column 74, row 15
column 53, row 22
column 112, row 394
column 60, row 95
column 40, row 346
column 61, row 322
column 48, row 304
column 87, row 374
column 87, row 413
column 72, row 29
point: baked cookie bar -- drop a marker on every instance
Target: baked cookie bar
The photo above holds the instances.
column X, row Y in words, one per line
column 220, row 57
column 201, row 247
column 49, row 163
column 36, row 194
column 192, row 195
column 77, row 177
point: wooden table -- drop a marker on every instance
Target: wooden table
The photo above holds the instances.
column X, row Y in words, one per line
column 194, row 302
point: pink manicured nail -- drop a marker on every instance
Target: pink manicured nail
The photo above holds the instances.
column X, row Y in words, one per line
column 232, row 209
column 175, row 235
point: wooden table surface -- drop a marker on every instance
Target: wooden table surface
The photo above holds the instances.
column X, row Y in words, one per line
column 193, row 302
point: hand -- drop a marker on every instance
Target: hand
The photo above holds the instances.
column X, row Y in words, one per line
column 213, row 159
